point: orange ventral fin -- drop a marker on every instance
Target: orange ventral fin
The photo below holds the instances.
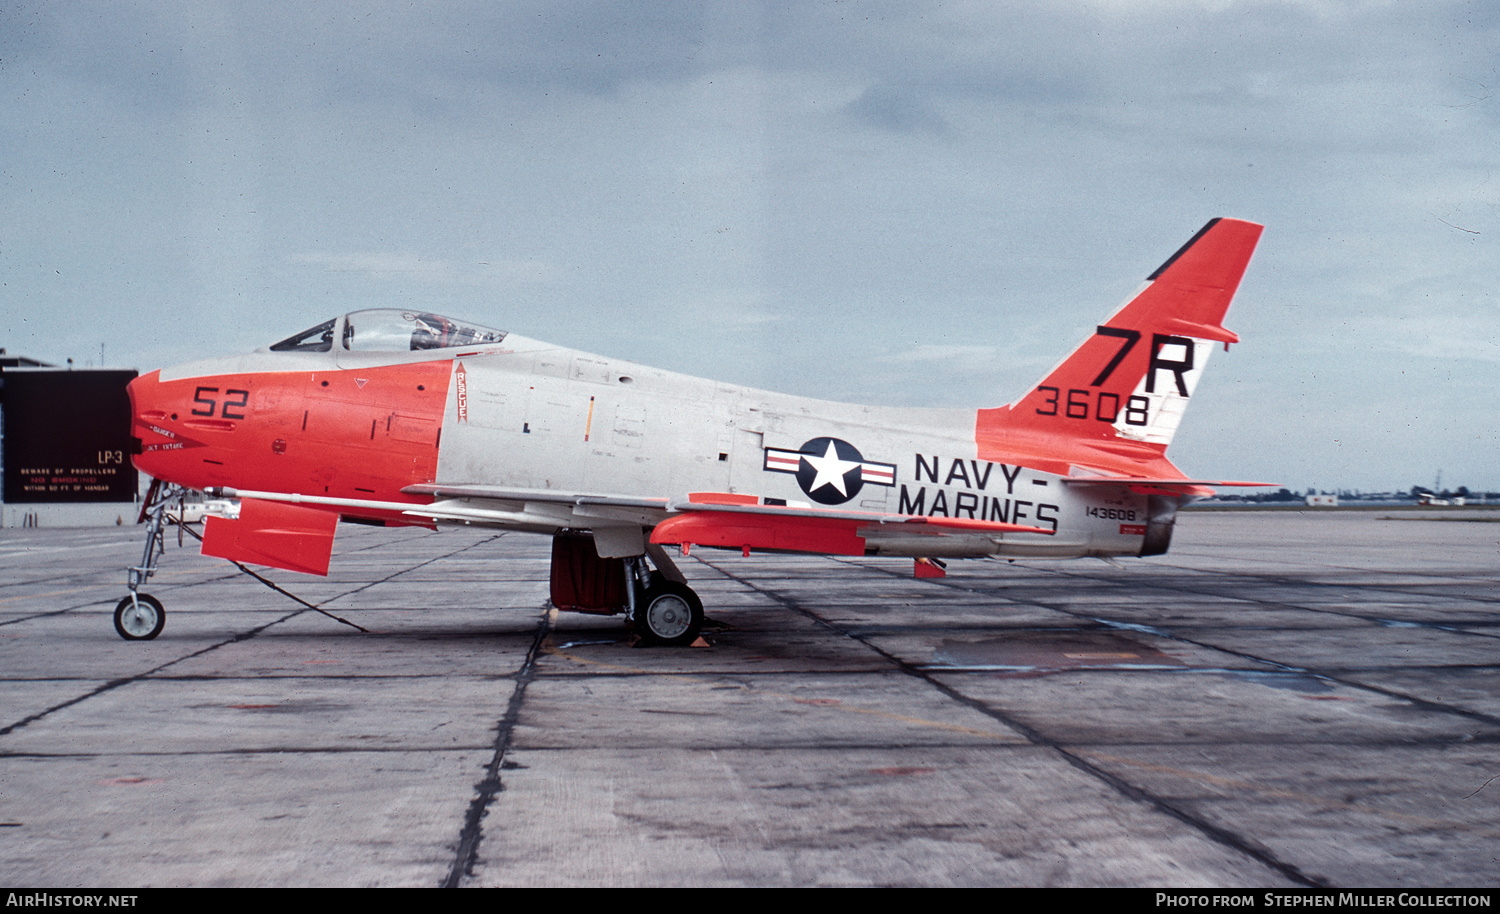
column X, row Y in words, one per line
column 294, row 537
column 1115, row 403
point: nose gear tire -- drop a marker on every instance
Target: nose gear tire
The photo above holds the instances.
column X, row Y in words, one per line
column 140, row 619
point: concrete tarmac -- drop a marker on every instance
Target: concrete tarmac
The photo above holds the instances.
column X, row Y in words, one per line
column 1286, row 699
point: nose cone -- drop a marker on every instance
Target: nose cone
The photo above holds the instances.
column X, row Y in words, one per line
column 152, row 424
column 187, row 424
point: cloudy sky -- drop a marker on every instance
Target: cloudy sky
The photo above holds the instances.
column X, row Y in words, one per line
column 906, row 203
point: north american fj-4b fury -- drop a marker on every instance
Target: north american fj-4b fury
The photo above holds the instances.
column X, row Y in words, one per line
column 409, row 418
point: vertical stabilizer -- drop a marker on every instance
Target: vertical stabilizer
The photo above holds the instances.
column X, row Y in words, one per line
column 1115, row 403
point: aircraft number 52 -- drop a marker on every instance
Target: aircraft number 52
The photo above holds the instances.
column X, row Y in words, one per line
column 233, row 400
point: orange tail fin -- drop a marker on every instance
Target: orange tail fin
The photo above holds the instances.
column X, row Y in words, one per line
column 1115, row 403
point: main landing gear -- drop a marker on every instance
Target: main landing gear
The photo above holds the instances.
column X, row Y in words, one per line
column 140, row 617
column 663, row 611
column 661, row 607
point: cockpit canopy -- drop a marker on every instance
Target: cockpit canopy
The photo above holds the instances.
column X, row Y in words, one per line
column 389, row 330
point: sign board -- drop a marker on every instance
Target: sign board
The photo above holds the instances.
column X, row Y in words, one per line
column 67, row 436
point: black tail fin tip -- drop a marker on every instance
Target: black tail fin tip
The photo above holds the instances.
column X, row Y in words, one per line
column 1184, row 249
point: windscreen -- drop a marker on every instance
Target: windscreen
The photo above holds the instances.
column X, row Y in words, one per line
column 313, row 339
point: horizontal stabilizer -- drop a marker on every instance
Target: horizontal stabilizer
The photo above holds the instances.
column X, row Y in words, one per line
column 1142, row 481
column 294, row 537
column 1166, row 485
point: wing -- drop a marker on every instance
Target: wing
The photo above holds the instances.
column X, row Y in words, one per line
column 296, row 531
column 701, row 518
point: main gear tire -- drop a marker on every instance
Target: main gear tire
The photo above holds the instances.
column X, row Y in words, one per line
column 669, row 614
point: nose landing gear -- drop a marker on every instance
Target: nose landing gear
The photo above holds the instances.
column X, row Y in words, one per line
column 140, row 617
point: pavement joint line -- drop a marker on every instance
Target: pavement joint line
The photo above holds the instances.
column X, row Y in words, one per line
column 391, row 577
column 125, row 680
column 1213, row 832
column 113, row 684
column 1341, row 679
column 1262, row 776
column 179, row 572
column 1422, row 703
column 787, row 696
column 56, row 593
column 1474, row 576
column 466, row 852
column 1283, row 581
column 404, row 749
column 1296, row 796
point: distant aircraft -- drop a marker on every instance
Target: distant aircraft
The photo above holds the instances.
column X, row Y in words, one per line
column 408, row 418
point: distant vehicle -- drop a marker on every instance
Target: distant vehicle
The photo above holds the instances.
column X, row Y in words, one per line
column 194, row 512
column 222, row 507
column 411, row 418
column 1436, row 502
column 188, row 513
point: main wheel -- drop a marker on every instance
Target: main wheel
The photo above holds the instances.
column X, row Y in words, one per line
column 669, row 614
column 140, row 619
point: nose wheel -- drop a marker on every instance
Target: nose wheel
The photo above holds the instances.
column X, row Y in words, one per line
column 139, row 617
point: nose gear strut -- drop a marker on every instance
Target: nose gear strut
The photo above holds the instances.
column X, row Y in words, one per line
column 140, row 617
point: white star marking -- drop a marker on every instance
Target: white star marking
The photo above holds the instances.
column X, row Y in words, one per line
column 830, row 469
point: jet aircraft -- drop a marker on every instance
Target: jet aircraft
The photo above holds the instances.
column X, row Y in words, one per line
column 403, row 417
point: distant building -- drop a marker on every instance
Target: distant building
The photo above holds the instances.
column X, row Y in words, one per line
column 1322, row 501
column 19, row 361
